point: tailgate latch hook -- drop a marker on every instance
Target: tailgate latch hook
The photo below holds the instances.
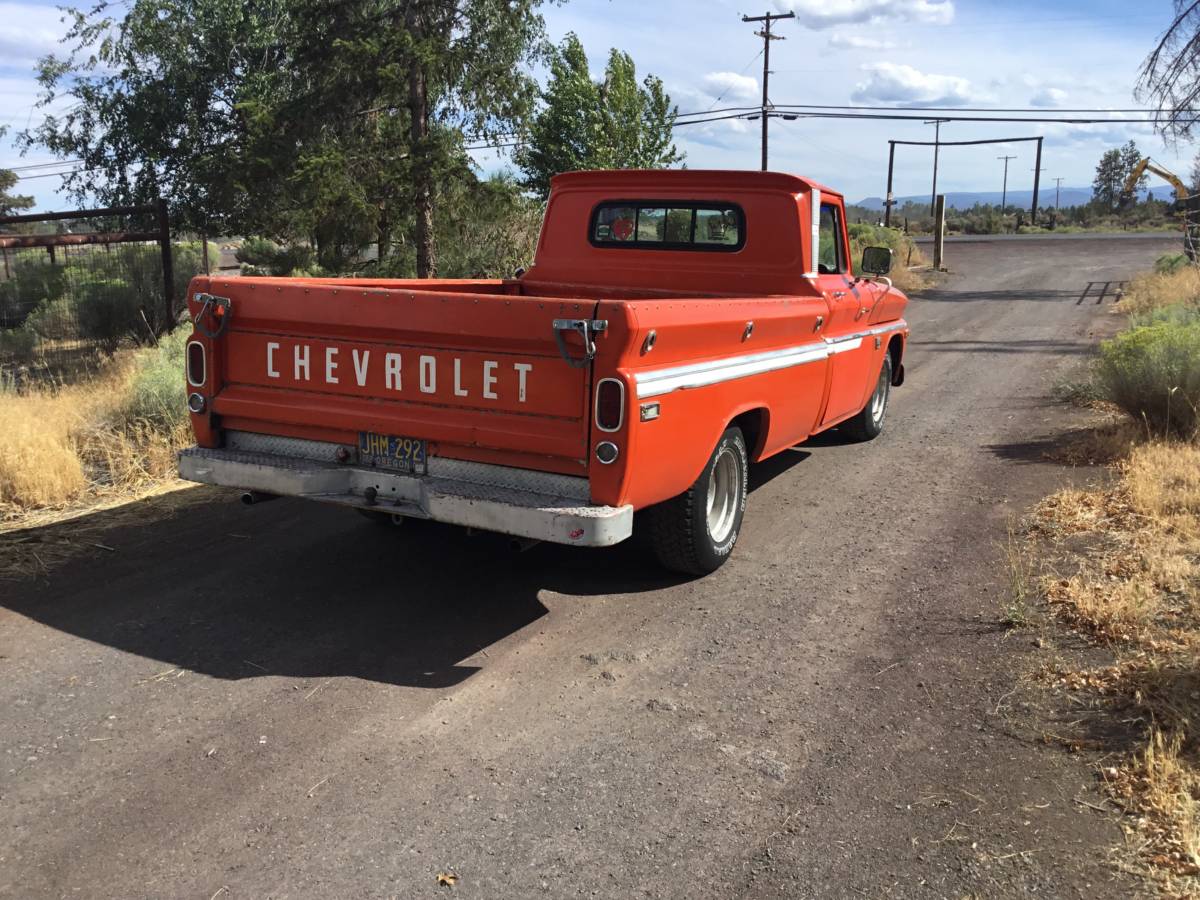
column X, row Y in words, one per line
column 588, row 329
column 221, row 309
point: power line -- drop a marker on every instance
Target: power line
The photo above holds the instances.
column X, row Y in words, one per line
column 46, row 175
column 47, row 165
column 730, row 86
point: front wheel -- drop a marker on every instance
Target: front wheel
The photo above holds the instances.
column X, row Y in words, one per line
column 868, row 423
column 694, row 533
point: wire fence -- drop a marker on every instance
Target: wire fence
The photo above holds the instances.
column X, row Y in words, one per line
column 76, row 287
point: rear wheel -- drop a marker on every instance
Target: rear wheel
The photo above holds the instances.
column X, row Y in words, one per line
column 694, row 533
column 868, row 424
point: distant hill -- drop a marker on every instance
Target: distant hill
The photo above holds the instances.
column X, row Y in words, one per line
column 966, row 199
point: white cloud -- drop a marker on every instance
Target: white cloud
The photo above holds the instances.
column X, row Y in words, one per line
column 1048, row 96
column 27, row 32
column 858, row 42
column 828, row 13
column 895, row 83
column 730, row 85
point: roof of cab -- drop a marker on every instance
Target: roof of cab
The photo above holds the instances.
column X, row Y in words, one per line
column 646, row 180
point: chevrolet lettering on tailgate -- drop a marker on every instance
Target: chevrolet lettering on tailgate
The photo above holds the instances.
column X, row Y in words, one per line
column 484, row 375
column 675, row 328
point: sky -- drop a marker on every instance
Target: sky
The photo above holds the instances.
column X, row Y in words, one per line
column 960, row 53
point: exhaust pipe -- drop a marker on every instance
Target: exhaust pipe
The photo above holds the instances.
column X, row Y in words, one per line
column 249, row 498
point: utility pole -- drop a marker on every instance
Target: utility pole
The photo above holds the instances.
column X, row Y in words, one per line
column 1057, row 188
column 937, row 131
column 767, row 37
column 1004, row 190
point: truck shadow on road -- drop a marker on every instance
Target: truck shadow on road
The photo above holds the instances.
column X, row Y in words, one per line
column 304, row 590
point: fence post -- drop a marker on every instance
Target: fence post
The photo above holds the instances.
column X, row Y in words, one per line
column 164, row 243
column 939, row 230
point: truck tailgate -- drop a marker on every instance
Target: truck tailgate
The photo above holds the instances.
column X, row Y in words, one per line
column 476, row 376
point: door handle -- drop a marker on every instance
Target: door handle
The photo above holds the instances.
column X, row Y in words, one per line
column 838, row 295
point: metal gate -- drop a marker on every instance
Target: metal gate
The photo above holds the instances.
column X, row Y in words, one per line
column 77, row 284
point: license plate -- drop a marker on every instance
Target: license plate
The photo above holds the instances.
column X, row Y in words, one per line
column 390, row 452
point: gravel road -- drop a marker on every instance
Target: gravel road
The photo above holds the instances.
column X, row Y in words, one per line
column 286, row 701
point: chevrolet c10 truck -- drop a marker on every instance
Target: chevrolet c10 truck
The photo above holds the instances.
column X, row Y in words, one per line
column 674, row 327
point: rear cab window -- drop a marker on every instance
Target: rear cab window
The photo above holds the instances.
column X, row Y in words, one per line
column 668, row 225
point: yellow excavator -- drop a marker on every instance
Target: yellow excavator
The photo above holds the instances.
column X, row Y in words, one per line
column 1187, row 204
column 1129, row 191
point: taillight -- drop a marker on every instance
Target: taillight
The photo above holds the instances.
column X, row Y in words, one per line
column 610, row 404
column 197, row 368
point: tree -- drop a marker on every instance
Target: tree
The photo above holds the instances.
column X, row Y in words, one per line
column 461, row 73
column 11, row 203
column 1112, row 172
column 614, row 124
column 331, row 120
column 163, row 100
column 1170, row 75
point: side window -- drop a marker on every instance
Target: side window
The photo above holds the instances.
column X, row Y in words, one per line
column 831, row 255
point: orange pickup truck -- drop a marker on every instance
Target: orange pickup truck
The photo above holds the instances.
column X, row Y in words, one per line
column 674, row 327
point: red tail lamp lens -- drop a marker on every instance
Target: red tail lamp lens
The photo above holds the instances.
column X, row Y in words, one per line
column 610, row 404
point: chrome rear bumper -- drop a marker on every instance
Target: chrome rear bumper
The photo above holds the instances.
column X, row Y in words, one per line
column 536, row 505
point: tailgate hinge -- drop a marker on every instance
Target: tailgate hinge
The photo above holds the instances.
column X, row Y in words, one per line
column 588, row 328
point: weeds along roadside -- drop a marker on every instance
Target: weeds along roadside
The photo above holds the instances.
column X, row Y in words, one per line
column 115, row 433
column 1118, row 564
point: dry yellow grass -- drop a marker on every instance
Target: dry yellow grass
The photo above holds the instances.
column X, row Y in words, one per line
column 1137, row 591
column 1153, row 291
column 62, row 445
column 38, row 462
column 1164, row 482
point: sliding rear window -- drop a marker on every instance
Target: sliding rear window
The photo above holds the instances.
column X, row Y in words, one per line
column 668, row 225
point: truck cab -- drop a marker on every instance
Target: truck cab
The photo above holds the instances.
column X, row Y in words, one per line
column 673, row 328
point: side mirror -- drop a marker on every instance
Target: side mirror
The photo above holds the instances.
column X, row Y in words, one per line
column 876, row 260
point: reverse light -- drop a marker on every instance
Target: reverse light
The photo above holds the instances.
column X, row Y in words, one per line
column 607, row 452
column 610, row 404
column 196, row 403
column 197, row 364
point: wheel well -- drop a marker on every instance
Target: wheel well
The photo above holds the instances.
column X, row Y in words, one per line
column 896, row 351
column 754, row 428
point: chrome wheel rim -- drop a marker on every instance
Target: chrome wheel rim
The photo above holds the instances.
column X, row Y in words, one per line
column 724, row 488
column 879, row 400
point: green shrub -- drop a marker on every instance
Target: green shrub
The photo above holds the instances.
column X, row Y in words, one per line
column 863, row 235
column 260, row 256
column 1153, row 373
column 19, row 344
column 1170, row 263
column 31, row 281
column 53, row 319
column 109, row 311
column 158, row 395
column 1175, row 314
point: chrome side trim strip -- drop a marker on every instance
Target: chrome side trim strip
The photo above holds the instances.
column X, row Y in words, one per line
column 693, row 375
column 666, row 381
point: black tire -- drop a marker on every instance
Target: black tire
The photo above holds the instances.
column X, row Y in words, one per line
column 868, row 424
column 678, row 529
